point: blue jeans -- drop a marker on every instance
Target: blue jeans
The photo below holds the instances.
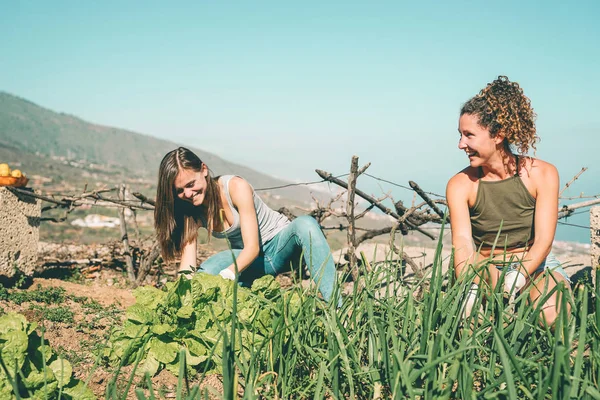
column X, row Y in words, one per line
column 551, row 263
column 302, row 237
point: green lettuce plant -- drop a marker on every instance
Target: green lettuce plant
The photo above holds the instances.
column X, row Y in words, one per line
column 191, row 314
column 29, row 369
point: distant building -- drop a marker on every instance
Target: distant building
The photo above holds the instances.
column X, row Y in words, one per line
column 97, row 221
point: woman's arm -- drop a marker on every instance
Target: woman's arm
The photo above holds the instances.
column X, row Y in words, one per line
column 242, row 197
column 460, row 222
column 546, row 181
column 188, row 256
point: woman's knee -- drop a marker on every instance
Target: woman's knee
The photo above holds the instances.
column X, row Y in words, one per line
column 551, row 311
column 306, row 224
column 218, row 262
column 549, row 316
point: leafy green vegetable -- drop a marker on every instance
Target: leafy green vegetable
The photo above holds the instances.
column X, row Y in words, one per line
column 191, row 314
column 39, row 371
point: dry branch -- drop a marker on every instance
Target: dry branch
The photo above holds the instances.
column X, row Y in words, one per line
column 565, row 211
column 424, row 196
column 146, row 262
column 373, row 233
column 572, row 180
column 143, row 198
column 581, row 196
column 285, row 211
column 408, row 260
column 329, row 177
column 342, row 227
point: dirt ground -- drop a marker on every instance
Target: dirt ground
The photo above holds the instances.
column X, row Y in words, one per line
column 88, row 330
column 96, row 297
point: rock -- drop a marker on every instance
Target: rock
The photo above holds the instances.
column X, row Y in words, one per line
column 19, row 233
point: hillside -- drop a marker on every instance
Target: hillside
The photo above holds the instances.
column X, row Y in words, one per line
column 31, row 130
column 62, row 153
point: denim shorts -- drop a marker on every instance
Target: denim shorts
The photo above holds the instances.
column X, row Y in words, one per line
column 551, row 264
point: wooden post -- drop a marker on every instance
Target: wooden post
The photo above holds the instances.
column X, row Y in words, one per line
column 351, row 235
column 595, row 236
column 125, row 238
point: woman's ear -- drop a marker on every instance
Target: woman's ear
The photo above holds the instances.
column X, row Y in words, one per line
column 204, row 170
column 499, row 138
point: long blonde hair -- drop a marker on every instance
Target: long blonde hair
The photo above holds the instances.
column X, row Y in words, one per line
column 176, row 222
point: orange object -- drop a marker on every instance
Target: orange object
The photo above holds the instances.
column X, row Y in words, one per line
column 12, row 181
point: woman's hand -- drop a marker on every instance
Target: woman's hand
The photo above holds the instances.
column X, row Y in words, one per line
column 227, row 274
column 514, row 281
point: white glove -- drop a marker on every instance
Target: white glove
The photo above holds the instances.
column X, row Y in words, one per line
column 470, row 300
column 227, row 274
column 514, row 281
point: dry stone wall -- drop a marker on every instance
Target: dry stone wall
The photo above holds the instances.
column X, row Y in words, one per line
column 19, row 233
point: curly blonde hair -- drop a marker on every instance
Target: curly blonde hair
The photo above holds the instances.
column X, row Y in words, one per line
column 502, row 107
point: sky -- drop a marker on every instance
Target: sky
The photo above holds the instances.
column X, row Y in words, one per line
column 288, row 87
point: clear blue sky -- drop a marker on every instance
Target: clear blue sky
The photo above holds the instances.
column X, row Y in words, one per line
column 287, row 88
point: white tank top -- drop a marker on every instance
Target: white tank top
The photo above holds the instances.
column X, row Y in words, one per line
column 270, row 222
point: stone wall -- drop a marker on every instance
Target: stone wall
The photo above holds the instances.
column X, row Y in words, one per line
column 19, row 233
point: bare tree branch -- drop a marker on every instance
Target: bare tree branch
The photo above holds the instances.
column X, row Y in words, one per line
column 373, row 233
column 565, row 211
column 327, row 176
column 424, row 196
column 143, row 198
column 285, row 211
column 146, row 262
column 363, row 169
column 572, row 180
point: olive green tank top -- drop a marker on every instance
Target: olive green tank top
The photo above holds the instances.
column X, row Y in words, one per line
column 505, row 203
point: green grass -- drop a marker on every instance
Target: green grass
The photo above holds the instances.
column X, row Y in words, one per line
column 61, row 314
column 385, row 342
column 389, row 340
column 49, row 295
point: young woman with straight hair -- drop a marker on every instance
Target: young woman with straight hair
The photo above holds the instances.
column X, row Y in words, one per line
column 263, row 241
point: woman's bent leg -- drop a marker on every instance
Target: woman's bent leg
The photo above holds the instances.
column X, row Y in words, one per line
column 218, row 262
column 544, row 284
column 304, row 235
column 549, row 275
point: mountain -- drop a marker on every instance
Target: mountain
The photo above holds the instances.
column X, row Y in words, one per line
column 30, row 131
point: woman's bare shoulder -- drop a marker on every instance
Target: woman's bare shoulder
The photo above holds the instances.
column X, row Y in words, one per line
column 466, row 176
column 238, row 183
column 462, row 186
column 234, row 183
column 540, row 169
column 240, row 190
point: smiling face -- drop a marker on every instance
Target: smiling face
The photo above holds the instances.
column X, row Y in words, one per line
column 191, row 185
column 476, row 141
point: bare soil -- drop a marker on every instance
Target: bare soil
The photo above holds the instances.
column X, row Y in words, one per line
column 97, row 301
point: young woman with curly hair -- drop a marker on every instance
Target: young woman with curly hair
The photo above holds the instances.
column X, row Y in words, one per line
column 263, row 241
column 504, row 205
